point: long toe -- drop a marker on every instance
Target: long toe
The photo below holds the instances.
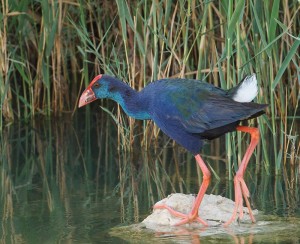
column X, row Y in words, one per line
column 241, row 190
column 186, row 218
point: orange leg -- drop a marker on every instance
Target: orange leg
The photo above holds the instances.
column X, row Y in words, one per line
column 240, row 187
column 193, row 215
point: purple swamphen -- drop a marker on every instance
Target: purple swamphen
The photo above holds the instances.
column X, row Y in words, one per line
column 189, row 111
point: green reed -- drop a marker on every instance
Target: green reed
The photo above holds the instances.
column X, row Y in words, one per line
column 51, row 50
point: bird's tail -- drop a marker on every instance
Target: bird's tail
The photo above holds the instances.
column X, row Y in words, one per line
column 245, row 91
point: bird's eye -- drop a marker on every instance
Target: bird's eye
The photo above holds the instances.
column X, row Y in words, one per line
column 96, row 85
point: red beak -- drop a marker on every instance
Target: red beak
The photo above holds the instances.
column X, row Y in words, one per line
column 86, row 97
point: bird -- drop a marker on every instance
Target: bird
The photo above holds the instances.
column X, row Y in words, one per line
column 190, row 112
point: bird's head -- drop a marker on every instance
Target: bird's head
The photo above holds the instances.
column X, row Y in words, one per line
column 98, row 88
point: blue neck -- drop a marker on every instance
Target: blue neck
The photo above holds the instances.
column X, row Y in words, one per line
column 132, row 102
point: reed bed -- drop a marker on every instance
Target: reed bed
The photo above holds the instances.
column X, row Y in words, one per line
column 51, row 49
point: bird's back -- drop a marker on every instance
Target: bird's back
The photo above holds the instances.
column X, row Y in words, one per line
column 191, row 110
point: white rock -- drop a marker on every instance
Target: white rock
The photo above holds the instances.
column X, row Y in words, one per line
column 213, row 209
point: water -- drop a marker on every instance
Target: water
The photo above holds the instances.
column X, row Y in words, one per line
column 66, row 181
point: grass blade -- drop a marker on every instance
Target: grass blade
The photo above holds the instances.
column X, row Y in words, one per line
column 289, row 56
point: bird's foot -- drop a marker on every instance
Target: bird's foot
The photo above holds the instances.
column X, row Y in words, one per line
column 186, row 218
column 241, row 190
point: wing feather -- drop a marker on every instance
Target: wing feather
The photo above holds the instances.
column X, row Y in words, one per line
column 198, row 106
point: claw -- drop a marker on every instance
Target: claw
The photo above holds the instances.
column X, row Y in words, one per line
column 186, row 218
column 193, row 215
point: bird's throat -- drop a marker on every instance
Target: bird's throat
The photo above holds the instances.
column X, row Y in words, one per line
column 132, row 103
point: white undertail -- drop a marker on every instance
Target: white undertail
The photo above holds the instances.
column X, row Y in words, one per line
column 247, row 91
